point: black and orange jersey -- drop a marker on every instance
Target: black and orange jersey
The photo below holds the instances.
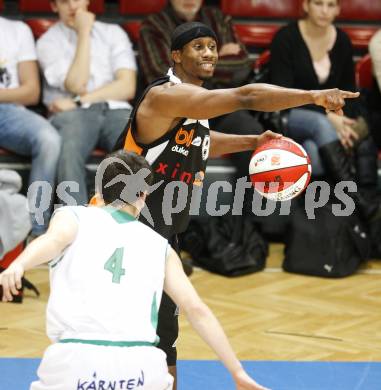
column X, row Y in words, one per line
column 180, row 155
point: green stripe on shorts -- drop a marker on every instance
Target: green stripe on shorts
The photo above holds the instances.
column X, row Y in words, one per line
column 107, row 343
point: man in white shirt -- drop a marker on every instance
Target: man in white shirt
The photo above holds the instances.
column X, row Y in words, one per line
column 23, row 131
column 89, row 69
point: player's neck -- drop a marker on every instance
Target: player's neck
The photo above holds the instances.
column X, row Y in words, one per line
column 129, row 209
column 186, row 77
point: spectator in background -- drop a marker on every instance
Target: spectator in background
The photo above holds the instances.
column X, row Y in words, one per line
column 90, row 74
column 374, row 101
column 233, row 68
column 314, row 54
column 22, row 131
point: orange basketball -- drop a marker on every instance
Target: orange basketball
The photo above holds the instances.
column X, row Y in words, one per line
column 280, row 169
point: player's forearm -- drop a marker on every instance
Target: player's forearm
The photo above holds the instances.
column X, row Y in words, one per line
column 222, row 143
column 267, row 97
column 41, row 250
column 79, row 71
column 207, row 326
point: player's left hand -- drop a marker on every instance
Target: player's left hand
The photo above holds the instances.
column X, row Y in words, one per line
column 333, row 99
column 10, row 279
column 244, row 382
column 267, row 136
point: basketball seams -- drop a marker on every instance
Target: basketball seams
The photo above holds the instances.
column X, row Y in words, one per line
column 289, row 192
column 284, row 179
column 282, row 168
column 267, row 160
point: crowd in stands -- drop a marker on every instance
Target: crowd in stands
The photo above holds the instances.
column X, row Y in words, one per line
column 89, row 81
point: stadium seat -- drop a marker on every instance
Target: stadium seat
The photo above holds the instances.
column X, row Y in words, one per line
column 364, row 76
column 11, row 255
column 132, row 29
column 360, row 10
column 360, row 35
column 96, row 6
column 261, row 35
column 272, row 9
column 39, row 26
column 258, row 35
column 140, row 7
column 262, row 60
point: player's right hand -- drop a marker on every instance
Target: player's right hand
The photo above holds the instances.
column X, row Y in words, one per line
column 10, row 280
column 244, row 382
column 333, row 99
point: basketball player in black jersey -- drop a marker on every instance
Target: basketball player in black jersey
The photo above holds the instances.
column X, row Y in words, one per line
column 169, row 127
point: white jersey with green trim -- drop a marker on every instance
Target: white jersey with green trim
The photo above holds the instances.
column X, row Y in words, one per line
column 108, row 283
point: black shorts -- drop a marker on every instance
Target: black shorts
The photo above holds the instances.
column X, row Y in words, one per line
column 168, row 324
column 168, row 328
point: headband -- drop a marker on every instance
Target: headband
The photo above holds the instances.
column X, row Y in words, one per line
column 186, row 32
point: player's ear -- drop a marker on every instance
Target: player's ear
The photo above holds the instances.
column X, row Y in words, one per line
column 176, row 56
column 143, row 195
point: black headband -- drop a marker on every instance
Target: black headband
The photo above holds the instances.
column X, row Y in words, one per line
column 186, row 32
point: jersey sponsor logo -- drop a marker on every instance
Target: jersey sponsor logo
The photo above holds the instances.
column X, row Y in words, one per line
column 181, row 150
column 122, row 383
column 184, row 137
column 275, row 159
column 260, row 160
column 196, row 141
column 205, row 147
column 199, row 178
column 176, row 174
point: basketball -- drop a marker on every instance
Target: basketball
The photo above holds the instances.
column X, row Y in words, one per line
column 280, row 169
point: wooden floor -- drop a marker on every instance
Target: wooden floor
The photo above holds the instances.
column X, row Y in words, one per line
column 269, row 315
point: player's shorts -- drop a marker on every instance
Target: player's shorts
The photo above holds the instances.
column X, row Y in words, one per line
column 76, row 366
column 168, row 324
column 168, row 328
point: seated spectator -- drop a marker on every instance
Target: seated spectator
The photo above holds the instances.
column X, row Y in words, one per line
column 314, row 54
column 14, row 216
column 90, row 74
column 233, row 68
column 375, row 94
column 22, row 131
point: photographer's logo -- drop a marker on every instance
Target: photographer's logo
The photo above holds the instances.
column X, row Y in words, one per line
column 134, row 184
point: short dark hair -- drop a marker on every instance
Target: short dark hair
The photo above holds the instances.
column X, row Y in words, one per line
column 126, row 165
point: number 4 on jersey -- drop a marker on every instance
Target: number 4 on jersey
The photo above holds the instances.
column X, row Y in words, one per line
column 114, row 265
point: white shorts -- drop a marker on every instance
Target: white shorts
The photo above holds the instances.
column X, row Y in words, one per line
column 81, row 366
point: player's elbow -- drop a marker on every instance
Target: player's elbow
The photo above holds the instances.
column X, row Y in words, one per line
column 196, row 311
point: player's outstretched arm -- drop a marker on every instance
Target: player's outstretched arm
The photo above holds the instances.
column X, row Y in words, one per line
column 267, row 97
column 62, row 231
column 190, row 101
column 179, row 288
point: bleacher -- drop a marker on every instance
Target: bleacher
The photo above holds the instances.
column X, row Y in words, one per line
column 255, row 22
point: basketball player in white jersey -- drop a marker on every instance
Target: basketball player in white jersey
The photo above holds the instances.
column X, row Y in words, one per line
column 107, row 272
